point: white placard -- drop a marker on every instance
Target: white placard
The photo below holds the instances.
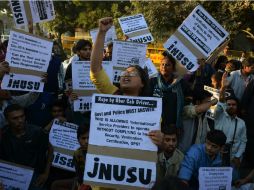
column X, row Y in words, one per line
column 28, row 52
column 15, row 177
column 136, row 24
column 63, row 161
column 20, row 82
column 81, row 74
column 18, row 11
column 83, row 103
column 124, row 121
column 203, row 31
column 215, row 178
column 181, row 53
column 215, row 92
column 128, row 53
column 64, row 135
column 110, row 35
column 42, row 10
column 152, row 71
column 133, row 172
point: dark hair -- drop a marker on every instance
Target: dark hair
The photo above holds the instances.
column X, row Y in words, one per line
column 82, row 130
column 81, row 44
column 218, row 65
column 237, row 64
column 11, row 108
column 232, row 97
column 217, row 137
column 58, row 103
column 200, row 94
column 169, row 183
column 170, row 58
column 248, row 62
column 143, row 74
column 169, row 130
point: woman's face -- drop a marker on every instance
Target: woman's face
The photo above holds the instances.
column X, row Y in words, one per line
column 130, row 81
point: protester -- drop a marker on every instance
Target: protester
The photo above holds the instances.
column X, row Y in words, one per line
column 238, row 80
column 26, row 144
column 226, row 119
column 108, row 53
column 195, row 123
column 220, row 64
column 202, row 155
column 170, row 159
column 172, row 89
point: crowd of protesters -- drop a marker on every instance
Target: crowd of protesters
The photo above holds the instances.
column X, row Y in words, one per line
column 188, row 139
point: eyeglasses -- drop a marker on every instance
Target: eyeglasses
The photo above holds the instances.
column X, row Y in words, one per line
column 129, row 74
column 165, row 65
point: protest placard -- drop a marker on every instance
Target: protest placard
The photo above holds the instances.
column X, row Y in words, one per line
column 119, row 139
column 198, row 36
column 32, row 11
column 110, row 35
column 135, row 27
column 105, row 170
column 15, row 176
column 215, row 178
column 20, row 82
column 128, row 53
column 81, row 82
column 63, row 137
column 152, row 71
column 84, row 103
column 28, row 52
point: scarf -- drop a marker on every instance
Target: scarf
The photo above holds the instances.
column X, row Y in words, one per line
column 174, row 87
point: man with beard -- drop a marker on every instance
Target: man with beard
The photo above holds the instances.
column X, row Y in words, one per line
column 225, row 117
column 170, row 159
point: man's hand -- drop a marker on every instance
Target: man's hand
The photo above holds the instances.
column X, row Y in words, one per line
column 41, row 180
column 105, row 24
column 241, row 182
column 236, row 162
column 44, row 77
column 157, row 137
column 224, row 81
column 4, row 68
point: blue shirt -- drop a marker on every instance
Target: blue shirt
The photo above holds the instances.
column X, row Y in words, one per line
column 195, row 158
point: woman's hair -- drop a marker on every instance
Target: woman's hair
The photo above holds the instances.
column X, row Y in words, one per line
column 143, row 74
column 217, row 76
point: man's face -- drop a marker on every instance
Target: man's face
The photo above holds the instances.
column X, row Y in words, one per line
column 166, row 67
column 83, row 141
column 249, row 70
column 16, row 120
column 231, row 107
column 57, row 112
column 170, row 142
column 212, row 149
column 85, row 53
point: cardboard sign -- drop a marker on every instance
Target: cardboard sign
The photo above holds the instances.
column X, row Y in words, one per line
column 213, row 91
column 197, row 37
column 203, row 31
column 81, row 74
column 110, row 35
column 152, row 71
column 120, row 121
column 84, row 103
column 34, row 11
column 15, row 176
column 119, row 171
column 128, row 53
column 63, row 137
column 20, row 82
column 119, row 141
column 215, row 178
column 135, row 27
column 28, row 52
